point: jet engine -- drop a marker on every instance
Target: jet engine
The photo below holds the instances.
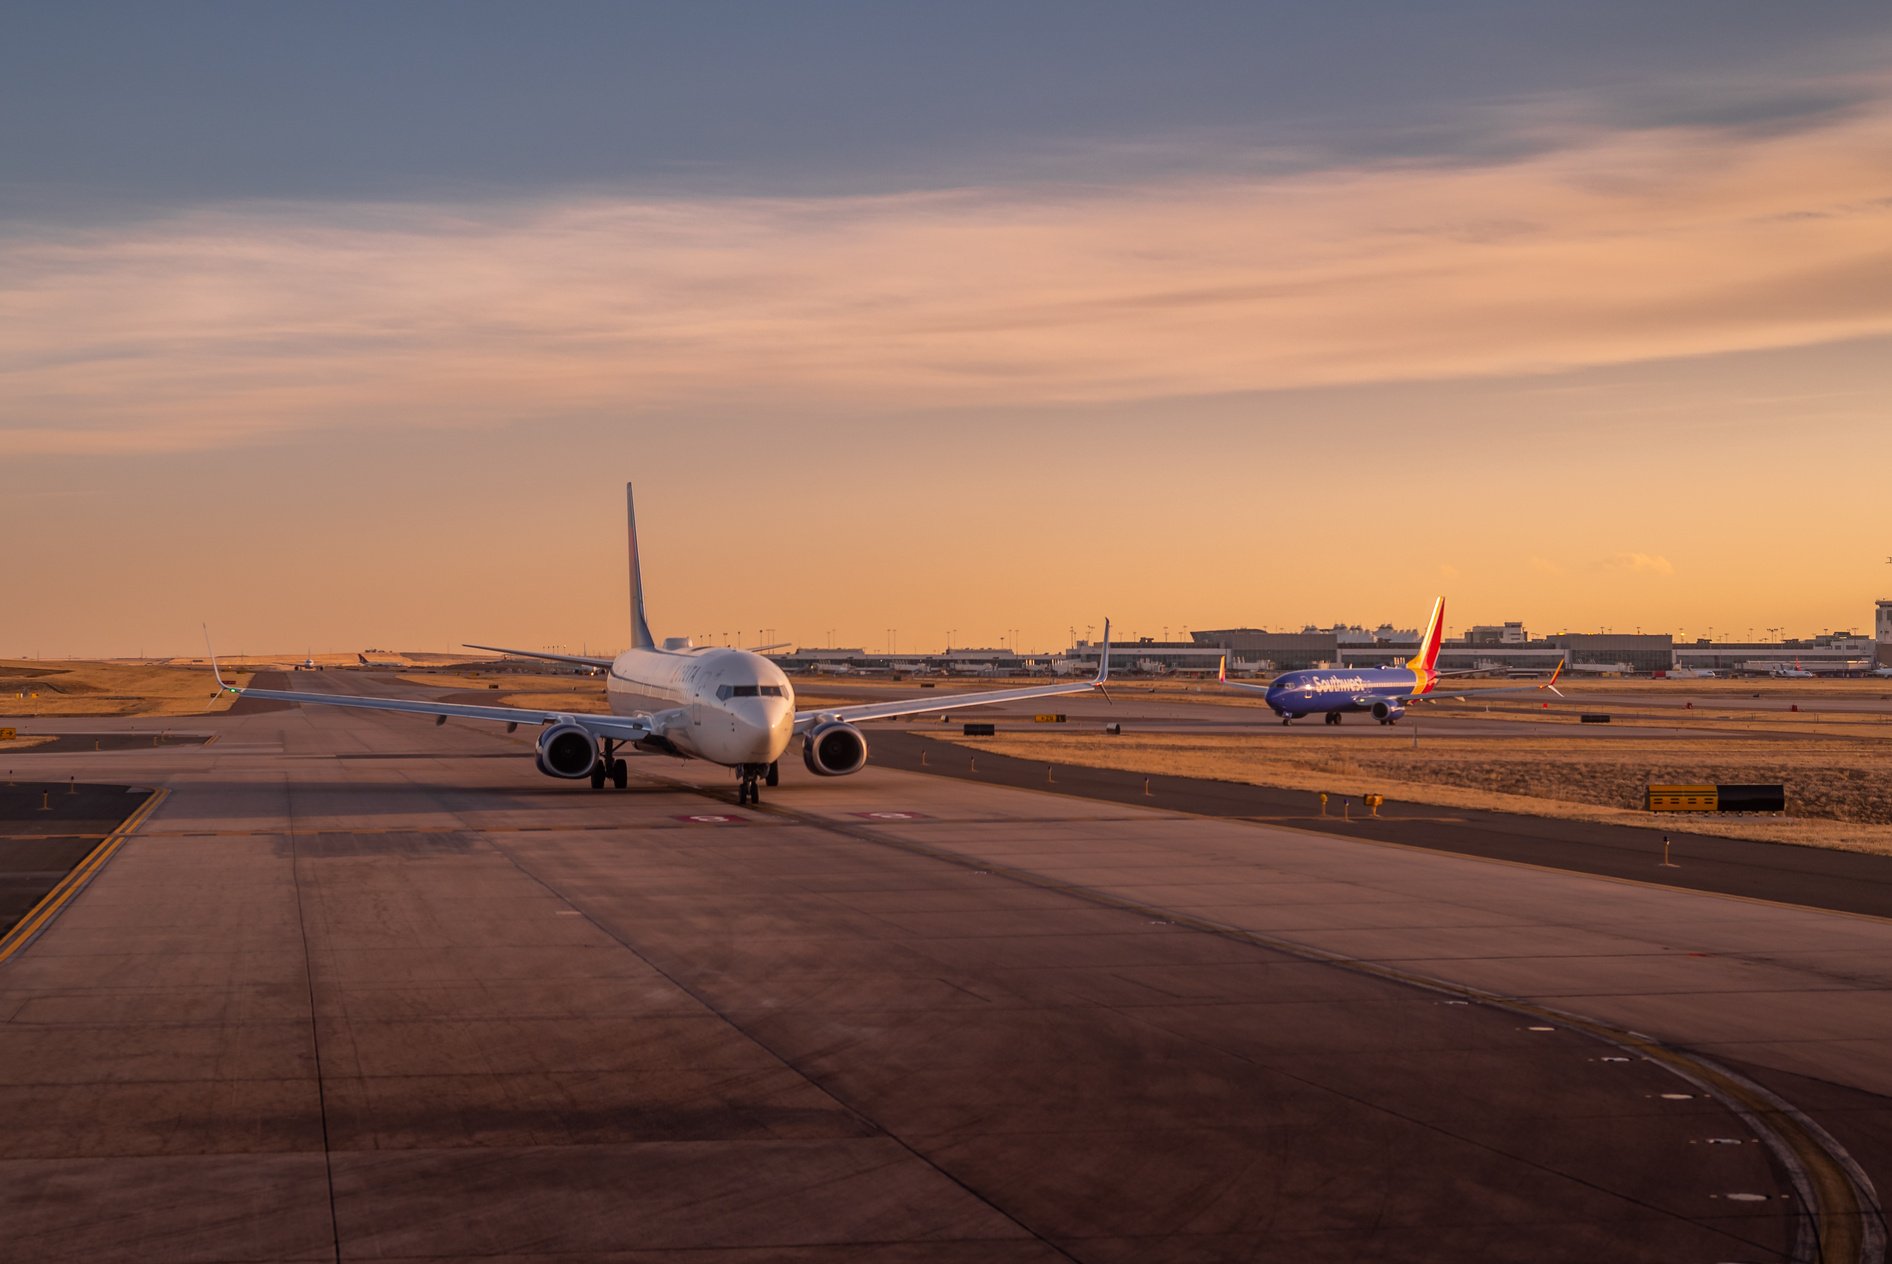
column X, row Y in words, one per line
column 1387, row 712
column 566, row 750
column 834, row 749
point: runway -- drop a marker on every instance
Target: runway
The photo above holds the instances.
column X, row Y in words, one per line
column 1679, row 713
column 367, row 988
column 1851, row 882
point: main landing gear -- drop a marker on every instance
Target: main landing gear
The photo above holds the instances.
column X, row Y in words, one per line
column 1333, row 717
column 610, row 767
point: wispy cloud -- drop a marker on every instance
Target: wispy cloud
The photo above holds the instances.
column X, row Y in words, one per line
column 1640, row 564
column 231, row 324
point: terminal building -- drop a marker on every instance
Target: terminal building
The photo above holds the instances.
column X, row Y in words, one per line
column 1497, row 648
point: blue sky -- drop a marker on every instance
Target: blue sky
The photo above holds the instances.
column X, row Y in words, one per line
column 109, row 108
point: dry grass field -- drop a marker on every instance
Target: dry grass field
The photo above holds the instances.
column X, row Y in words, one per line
column 1839, row 788
column 31, row 687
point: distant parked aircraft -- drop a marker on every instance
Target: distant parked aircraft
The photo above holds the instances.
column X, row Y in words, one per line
column 1384, row 692
column 725, row 705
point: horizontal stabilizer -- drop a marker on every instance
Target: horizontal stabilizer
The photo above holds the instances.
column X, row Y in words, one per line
column 581, row 659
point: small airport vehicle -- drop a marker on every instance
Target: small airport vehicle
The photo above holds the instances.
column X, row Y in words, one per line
column 1382, row 692
column 729, row 706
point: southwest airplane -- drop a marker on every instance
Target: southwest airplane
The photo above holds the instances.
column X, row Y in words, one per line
column 1385, row 692
column 729, row 706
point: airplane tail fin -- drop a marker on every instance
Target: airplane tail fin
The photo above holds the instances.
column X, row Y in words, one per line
column 641, row 638
column 1428, row 656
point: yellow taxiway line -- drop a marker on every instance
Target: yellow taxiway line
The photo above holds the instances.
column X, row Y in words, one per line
column 42, row 913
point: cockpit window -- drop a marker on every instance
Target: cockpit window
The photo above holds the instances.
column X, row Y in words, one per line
column 726, row 692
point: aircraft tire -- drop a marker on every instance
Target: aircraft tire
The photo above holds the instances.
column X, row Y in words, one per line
column 597, row 775
column 620, row 774
column 774, row 777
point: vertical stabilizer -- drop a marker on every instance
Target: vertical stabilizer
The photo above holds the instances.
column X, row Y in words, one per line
column 640, row 630
column 1428, row 656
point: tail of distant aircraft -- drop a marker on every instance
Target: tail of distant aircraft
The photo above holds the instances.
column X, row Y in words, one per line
column 1428, row 656
column 641, row 638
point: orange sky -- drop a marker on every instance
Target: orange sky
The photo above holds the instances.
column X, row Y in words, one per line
column 1634, row 377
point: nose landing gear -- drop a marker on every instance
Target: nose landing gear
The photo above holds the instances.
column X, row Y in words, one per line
column 749, row 785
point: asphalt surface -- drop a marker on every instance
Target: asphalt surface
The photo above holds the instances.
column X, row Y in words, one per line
column 1673, row 712
column 45, row 829
column 367, row 988
column 1851, row 882
column 65, row 743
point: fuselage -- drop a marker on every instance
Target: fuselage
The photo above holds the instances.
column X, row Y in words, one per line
column 728, row 706
column 1320, row 690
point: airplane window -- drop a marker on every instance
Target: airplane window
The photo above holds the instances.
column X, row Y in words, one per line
column 726, row 692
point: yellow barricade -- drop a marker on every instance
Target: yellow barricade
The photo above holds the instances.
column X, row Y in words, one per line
column 1683, row 799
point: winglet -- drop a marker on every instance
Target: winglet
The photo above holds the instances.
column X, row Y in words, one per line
column 1221, row 673
column 214, row 669
column 1551, row 684
column 1103, row 661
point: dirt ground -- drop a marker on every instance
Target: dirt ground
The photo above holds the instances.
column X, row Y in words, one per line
column 32, row 687
column 1839, row 788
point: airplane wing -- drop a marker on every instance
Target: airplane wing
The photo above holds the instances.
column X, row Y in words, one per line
column 805, row 720
column 554, row 658
column 618, row 727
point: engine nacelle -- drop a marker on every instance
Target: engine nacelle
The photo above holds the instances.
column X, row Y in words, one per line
column 834, row 749
column 1387, row 712
column 566, row 750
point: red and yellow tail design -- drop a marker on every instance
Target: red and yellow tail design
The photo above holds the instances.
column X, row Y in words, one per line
column 1426, row 660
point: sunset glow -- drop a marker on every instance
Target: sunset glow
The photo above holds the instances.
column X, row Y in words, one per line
column 1612, row 375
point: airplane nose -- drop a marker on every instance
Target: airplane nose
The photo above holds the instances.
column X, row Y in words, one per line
column 763, row 727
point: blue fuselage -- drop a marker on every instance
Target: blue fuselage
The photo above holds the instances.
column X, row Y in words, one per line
column 1321, row 690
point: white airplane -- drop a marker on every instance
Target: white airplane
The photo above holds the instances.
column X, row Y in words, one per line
column 729, row 706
